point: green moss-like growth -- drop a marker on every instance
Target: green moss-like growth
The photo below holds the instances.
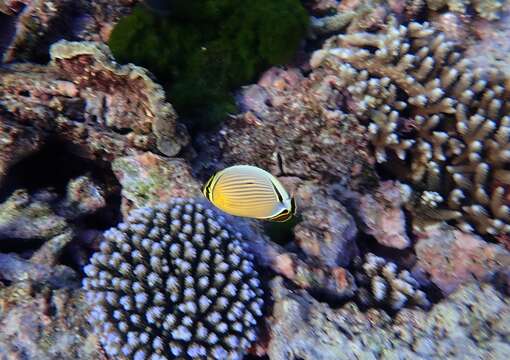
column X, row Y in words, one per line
column 205, row 48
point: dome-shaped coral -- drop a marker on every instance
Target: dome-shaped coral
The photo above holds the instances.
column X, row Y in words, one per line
column 174, row 281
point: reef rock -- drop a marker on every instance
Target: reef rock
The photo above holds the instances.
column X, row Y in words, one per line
column 103, row 110
column 298, row 135
column 383, row 216
column 473, row 323
column 452, row 257
column 326, row 232
column 23, row 216
column 148, row 179
column 487, row 9
column 40, row 323
column 39, row 23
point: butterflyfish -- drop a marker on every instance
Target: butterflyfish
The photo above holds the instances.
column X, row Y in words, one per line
column 248, row 191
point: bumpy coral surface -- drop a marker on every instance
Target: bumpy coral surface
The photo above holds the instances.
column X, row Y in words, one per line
column 174, row 282
column 382, row 283
column 447, row 123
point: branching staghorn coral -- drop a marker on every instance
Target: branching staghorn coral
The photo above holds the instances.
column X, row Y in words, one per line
column 174, row 282
column 487, row 9
column 381, row 283
column 448, row 123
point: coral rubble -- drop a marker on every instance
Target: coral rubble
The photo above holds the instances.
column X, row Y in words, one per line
column 444, row 124
column 174, row 281
column 45, row 324
column 473, row 323
column 85, row 99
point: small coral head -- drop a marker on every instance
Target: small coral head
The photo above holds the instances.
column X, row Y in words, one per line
column 174, row 281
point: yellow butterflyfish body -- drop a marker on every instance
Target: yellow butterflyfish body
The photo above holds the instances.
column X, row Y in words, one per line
column 248, row 191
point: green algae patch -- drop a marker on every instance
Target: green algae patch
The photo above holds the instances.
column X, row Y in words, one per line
column 204, row 49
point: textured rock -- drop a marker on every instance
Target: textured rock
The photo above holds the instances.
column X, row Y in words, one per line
column 148, row 179
column 452, row 257
column 40, row 323
column 327, row 232
column 40, row 23
column 336, row 282
column 472, row 324
column 83, row 197
column 174, row 281
column 355, row 15
column 383, row 216
column 85, row 99
column 26, row 217
column 296, row 134
column 17, row 141
column 491, row 45
column 50, row 252
column 16, row 269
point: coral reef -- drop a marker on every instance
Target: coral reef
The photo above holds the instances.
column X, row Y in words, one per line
column 326, row 232
column 174, row 281
column 84, row 98
column 446, row 122
column 473, row 323
column 383, row 284
column 200, row 67
column 368, row 269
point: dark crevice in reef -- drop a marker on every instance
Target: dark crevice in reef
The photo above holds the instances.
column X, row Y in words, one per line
column 53, row 167
column 7, row 30
column 10, row 245
column 37, row 49
column 331, row 299
column 282, row 233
